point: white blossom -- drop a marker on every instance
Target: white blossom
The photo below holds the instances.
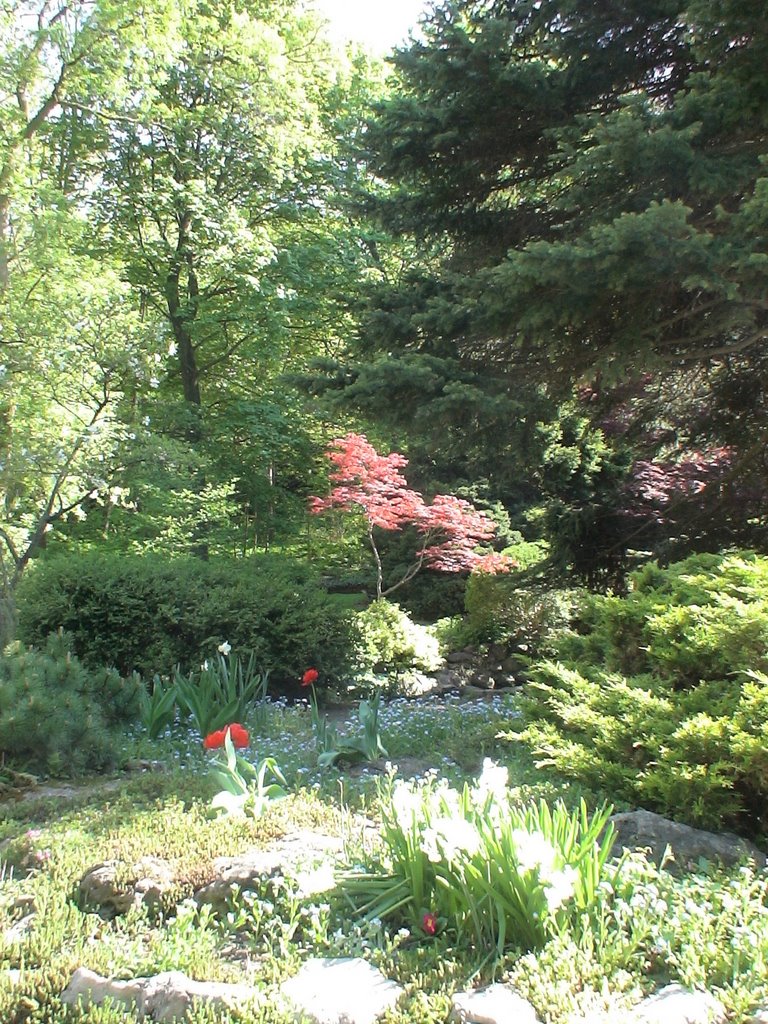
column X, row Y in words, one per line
column 316, row 880
column 448, row 837
column 407, row 805
column 493, row 781
column 559, row 887
column 533, row 852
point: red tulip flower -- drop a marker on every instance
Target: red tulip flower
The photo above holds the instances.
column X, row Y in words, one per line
column 238, row 734
column 310, row 677
column 429, row 924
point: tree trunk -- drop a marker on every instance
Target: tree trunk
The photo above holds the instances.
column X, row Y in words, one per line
column 379, row 569
column 5, row 233
column 7, row 607
column 180, row 325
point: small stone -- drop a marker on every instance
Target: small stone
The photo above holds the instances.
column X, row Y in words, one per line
column 248, row 871
column 88, row 988
column 471, row 691
column 418, row 684
column 447, row 680
column 677, row 1005
column 502, row 680
column 145, row 882
column 18, row 931
column 495, row 1004
column 483, row 681
column 170, row 995
column 460, row 657
column 759, row 1016
column 340, row 991
column 245, row 872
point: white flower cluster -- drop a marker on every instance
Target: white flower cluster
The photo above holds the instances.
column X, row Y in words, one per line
column 315, row 880
column 493, row 782
column 449, row 837
column 451, row 828
column 536, row 854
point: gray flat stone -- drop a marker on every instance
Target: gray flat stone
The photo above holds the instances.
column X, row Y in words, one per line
column 340, row 991
column 645, row 830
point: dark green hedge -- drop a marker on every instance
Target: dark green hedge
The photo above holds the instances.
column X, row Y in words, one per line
column 146, row 614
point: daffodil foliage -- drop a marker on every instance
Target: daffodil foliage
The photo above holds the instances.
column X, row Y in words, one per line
column 474, row 863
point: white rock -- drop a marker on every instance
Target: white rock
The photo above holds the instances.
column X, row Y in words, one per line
column 18, row 931
column 249, row 869
column 340, row 991
column 87, row 988
column 677, row 1005
column 168, row 996
column 164, row 997
column 495, row 1004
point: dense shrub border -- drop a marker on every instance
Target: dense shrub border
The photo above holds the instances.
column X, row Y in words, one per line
column 139, row 613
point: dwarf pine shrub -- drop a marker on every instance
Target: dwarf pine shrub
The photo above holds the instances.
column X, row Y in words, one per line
column 58, row 717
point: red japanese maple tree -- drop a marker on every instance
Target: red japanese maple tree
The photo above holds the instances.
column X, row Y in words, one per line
column 451, row 528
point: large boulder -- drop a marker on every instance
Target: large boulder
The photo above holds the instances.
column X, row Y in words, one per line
column 644, row 830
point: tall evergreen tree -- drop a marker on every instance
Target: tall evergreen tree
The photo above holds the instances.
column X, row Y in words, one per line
column 590, row 182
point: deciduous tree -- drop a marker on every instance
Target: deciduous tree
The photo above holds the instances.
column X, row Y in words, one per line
column 451, row 528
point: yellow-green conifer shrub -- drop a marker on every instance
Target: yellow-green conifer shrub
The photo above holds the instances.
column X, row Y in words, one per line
column 662, row 696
